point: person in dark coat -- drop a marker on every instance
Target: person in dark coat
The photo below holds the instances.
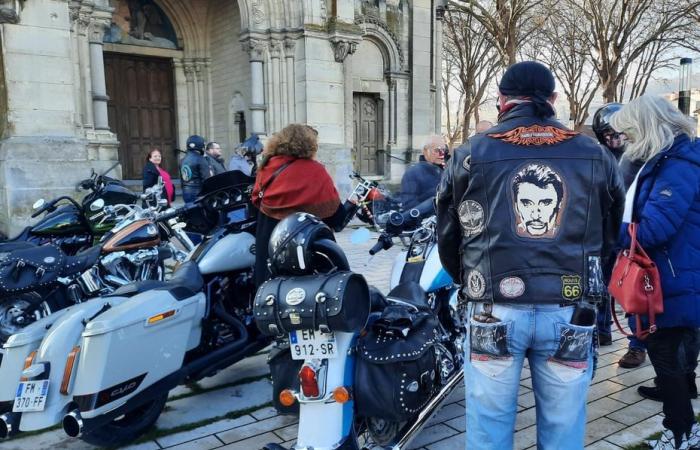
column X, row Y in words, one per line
column 193, row 169
column 212, row 156
column 421, row 179
column 664, row 201
column 152, row 171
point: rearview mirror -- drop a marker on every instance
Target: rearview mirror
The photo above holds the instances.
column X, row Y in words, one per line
column 39, row 204
column 97, row 205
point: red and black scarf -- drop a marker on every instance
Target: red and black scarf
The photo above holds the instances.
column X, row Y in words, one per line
column 303, row 186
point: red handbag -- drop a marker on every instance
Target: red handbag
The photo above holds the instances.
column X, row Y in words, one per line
column 636, row 285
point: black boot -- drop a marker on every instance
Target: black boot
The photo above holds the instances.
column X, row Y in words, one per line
column 692, row 387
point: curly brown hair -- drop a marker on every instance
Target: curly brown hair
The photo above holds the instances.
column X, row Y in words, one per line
column 297, row 140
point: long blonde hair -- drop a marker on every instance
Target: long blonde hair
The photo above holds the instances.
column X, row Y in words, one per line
column 651, row 123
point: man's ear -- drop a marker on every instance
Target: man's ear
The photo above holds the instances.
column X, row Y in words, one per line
column 553, row 98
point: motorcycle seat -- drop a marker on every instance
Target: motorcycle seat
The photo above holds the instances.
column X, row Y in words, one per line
column 377, row 301
column 82, row 261
column 411, row 293
column 12, row 245
column 186, row 282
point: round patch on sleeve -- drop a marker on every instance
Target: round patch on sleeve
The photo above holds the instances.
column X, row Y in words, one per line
column 476, row 284
column 471, row 216
column 512, row 287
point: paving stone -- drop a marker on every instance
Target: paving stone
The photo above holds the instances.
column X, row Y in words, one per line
column 288, row 433
column 602, row 407
column 639, row 375
column 55, row 439
column 628, row 395
column 264, row 413
column 525, row 418
column 218, row 403
column 527, row 400
column 637, row 412
column 253, row 366
column 448, row 412
column 637, row 432
column 451, row 443
column 256, row 428
column 253, row 443
column 209, row 429
column 603, row 445
column 151, row 445
column 432, row 434
column 601, row 428
column 603, row 389
column 525, row 438
column 204, row 443
column 458, row 423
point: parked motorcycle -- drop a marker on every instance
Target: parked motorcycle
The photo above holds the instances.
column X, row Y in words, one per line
column 104, row 367
column 373, row 370
column 38, row 280
column 69, row 224
column 378, row 204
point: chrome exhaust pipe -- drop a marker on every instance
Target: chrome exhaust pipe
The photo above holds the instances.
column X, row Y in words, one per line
column 428, row 411
column 9, row 425
column 73, row 424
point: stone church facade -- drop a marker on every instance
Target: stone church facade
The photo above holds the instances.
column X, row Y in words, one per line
column 87, row 84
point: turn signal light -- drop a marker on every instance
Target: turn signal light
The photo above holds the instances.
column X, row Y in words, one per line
column 159, row 317
column 28, row 362
column 308, row 381
column 68, row 370
column 287, row 398
column 341, row 395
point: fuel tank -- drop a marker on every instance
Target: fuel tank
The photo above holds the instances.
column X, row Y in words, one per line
column 66, row 220
column 138, row 234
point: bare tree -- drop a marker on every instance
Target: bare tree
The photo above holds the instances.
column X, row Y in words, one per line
column 619, row 32
column 508, row 23
column 453, row 109
column 468, row 52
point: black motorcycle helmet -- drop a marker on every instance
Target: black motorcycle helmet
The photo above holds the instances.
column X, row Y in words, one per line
column 196, row 143
column 302, row 244
column 602, row 127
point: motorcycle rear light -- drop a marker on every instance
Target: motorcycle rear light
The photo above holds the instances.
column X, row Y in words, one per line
column 308, row 381
column 374, row 194
column 27, row 363
column 287, row 398
column 68, row 370
column 341, row 394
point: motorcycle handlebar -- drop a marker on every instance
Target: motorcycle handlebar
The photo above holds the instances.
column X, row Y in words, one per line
column 383, row 243
column 178, row 212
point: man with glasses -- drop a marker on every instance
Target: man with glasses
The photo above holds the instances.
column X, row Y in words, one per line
column 420, row 180
column 214, row 159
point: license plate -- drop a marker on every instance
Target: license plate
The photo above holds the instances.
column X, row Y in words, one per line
column 31, row 396
column 309, row 344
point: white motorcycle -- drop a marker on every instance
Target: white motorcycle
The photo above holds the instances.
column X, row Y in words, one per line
column 372, row 386
column 103, row 368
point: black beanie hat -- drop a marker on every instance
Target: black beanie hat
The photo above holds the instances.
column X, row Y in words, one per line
column 531, row 79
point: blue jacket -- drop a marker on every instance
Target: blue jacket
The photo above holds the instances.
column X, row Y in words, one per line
column 419, row 183
column 667, row 208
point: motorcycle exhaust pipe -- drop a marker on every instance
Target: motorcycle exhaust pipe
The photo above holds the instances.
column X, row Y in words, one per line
column 427, row 412
column 9, row 425
column 73, row 424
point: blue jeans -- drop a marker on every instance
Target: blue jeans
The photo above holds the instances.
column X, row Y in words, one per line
column 561, row 363
column 604, row 318
column 634, row 341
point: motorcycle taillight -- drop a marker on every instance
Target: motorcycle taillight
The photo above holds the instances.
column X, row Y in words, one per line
column 308, row 382
column 374, row 194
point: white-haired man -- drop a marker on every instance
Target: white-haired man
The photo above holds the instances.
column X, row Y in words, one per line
column 420, row 181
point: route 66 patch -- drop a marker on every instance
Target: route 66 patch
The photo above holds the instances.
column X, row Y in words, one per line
column 571, row 287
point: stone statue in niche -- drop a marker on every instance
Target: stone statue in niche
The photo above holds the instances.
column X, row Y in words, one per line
column 140, row 22
column 9, row 11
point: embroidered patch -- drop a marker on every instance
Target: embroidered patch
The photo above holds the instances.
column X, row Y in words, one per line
column 476, row 284
column 467, row 163
column 295, row 296
column 666, row 193
column 471, row 216
column 512, row 287
column 539, row 199
column 571, row 287
column 186, row 173
column 596, row 286
column 535, row 135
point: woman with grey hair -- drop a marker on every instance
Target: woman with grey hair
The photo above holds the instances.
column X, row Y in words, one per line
column 664, row 200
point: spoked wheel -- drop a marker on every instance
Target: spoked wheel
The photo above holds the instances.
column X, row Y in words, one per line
column 128, row 427
column 18, row 311
column 376, row 433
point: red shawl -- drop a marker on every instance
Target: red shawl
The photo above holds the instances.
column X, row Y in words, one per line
column 303, row 186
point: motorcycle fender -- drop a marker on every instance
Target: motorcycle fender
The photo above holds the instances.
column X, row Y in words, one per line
column 16, row 350
column 53, row 352
column 132, row 346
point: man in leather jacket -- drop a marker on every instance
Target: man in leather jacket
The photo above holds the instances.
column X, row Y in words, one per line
column 534, row 209
column 193, row 169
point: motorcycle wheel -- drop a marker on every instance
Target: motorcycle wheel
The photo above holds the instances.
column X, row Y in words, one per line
column 382, row 432
column 128, row 427
column 18, row 311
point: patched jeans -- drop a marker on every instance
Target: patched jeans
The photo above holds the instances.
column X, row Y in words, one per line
column 561, row 363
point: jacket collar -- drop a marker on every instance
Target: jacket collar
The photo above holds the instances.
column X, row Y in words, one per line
column 520, row 111
column 682, row 148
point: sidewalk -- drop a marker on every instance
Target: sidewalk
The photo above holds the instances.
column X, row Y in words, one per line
column 232, row 409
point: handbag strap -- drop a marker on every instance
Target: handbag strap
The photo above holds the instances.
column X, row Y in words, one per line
column 640, row 334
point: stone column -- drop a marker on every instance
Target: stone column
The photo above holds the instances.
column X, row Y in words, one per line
column 210, row 98
column 256, row 51
column 201, row 97
column 191, row 96
column 85, row 63
column 275, row 85
column 289, row 49
column 97, row 72
column 439, row 16
column 74, row 15
column 343, row 49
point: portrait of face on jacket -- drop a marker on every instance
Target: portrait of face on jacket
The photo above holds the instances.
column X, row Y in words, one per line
column 539, row 197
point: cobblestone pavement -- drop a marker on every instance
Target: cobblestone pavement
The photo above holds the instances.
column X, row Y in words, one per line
column 233, row 412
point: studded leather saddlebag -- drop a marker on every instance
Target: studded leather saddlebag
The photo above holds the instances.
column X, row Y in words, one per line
column 395, row 370
column 29, row 269
column 326, row 302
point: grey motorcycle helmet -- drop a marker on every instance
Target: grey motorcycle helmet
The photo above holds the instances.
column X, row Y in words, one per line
column 301, row 244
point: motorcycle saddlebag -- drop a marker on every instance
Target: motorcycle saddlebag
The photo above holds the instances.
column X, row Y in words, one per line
column 327, row 302
column 395, row 371
column 284, row 372
column 30, row 268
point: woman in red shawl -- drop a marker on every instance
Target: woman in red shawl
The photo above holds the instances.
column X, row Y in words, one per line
column 290, row 180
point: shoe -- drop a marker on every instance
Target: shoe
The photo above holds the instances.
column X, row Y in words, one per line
column 668, row 442
column 604, row 339
column 634, row 357
column 650, row 392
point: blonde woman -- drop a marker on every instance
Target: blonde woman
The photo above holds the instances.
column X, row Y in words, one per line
column 665, row 202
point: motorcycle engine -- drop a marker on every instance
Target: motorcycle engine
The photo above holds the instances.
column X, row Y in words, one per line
column 125, row 268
